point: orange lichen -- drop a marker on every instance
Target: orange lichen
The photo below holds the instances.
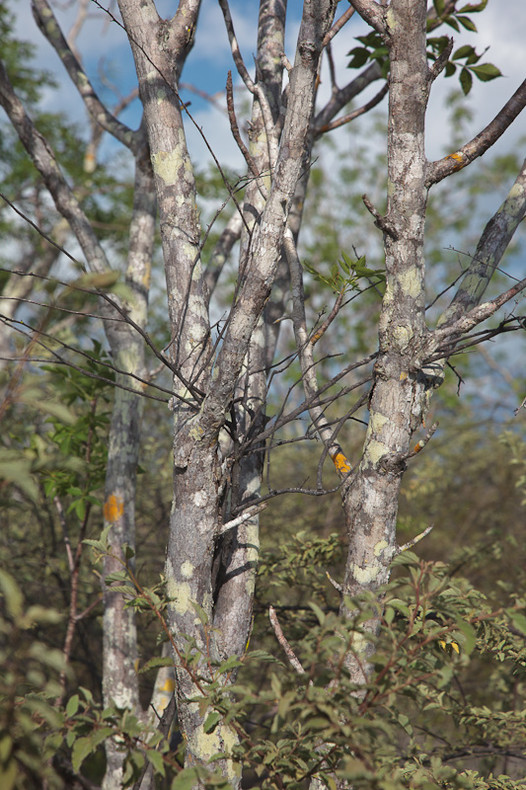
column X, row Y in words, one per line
column 341, row 463
column 113, row 508
column 168, row 685
column 458, row 158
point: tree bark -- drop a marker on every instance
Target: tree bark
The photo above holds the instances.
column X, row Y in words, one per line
column 397, row 398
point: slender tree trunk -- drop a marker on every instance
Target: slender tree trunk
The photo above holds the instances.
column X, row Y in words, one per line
column 120, row 655
column 398, row 395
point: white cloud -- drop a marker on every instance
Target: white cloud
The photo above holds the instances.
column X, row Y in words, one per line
column 502, row 27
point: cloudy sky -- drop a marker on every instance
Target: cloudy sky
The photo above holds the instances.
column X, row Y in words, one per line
column 501, row 29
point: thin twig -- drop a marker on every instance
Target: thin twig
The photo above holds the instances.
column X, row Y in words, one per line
column 415, row 540
column 280, row 636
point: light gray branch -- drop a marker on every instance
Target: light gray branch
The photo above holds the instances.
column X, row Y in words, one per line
column 49, row 26
column 44, row 160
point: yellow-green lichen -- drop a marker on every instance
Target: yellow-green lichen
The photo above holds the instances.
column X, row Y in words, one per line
column 179, row 595
column 187, row 569
column 204, row 745
column 411, row 282
column 376, row 451
column 401, row 336
column 166, row 165
column 517, row 190
column 365, row 575
column 380, row 547
column 377, row 421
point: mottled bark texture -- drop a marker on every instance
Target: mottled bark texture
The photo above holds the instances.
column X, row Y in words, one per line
column 201, row 473
column 398, row 392
column 120, row 656
column 119, row 639
column 237, row 552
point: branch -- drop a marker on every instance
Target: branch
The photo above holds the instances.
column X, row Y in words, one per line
column 245, row 516
column 44, row 160
column 443, row 168
column 372, row 12
column 338, row 25
column 230, row 234
column 305, row 346
column 355, row 113
column 474, row 317
column 280, row 636
column 344, row 95
column 491, row 247
column 318, row 334
column 267, row 240
column 48, row 24
column 379, row 220
column 235, row 128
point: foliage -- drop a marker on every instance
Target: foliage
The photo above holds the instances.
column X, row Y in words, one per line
column 30, row 723
column 464, row 59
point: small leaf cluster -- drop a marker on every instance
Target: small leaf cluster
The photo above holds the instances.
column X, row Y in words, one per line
column 465, row 59
column 345, row 275
column 30, row 723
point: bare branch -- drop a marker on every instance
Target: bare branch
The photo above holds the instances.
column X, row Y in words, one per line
column 304, row 346
column 347, row 14
column 44, row 160
column 443, row 168
column 48, row 24
column 234, row 46
column 440, row 62
column 318, row 334
column 280, row 636
column 372, row 12
column 222, row 249
column 356, row 113
column 380, row 221
column 491, row 247
column 415, row 540
column 474, row 317
column 235, row 128
column 344, row 95
column 245, row 516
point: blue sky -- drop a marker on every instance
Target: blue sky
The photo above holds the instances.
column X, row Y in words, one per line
column 502, row 28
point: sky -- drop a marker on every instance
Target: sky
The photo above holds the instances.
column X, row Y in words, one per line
column 107, row 59
column 501, row 29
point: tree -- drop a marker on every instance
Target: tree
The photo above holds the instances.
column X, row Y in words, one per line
column 221, row 374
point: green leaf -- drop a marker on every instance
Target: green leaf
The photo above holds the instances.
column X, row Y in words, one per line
column 466, row 81
column 185, row 780
column 359, row 58
column 486, row 72
column 211, row 722
column 519, row 620
column 469, row 635
column 157, row 661
column 231, row 663
column 462, row 52
column 81, row 748
column 10, row 590
column 202, row 615
column 473, row 8
column 72, row 706
column 156, row 759
column 467, row 23
column 318, row 612
column 439, row 6
column 452, row 22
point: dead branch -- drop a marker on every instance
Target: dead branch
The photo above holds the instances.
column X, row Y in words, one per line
column 443, row 168
column 280, row 636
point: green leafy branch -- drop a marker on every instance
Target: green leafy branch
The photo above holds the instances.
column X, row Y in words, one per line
column 465, row 59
